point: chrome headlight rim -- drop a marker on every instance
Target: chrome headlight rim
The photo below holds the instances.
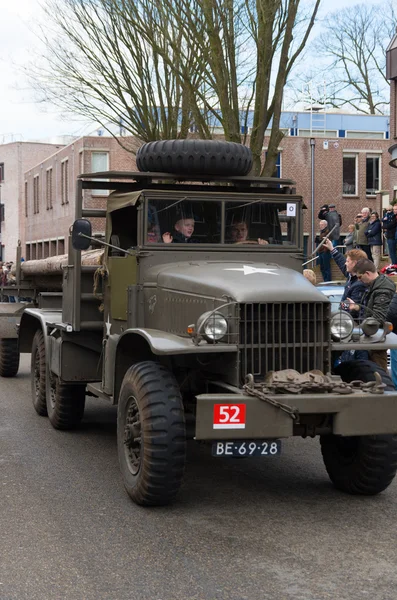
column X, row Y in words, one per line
column 338, row 319
column 215, row 320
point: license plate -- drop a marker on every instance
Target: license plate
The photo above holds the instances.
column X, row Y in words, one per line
column 247, row 448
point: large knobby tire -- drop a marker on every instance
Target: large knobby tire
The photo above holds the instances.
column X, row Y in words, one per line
column 151, row 434
column 195, row 157
column 38, row 374
column 65, row 404
column 364, row 465
column 9, row 357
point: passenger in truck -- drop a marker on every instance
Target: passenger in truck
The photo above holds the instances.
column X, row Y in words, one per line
column 182, row 234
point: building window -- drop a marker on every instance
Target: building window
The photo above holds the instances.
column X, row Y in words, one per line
column 367, row 135
column 316, row 132
column 81, row 162
column 1, row 172
column 26, row 198
column 36, row 204
column 277, row 166
column 65, row 182
column 99, row 163
column 48, row 188
column 372, row 175
column 350, row 175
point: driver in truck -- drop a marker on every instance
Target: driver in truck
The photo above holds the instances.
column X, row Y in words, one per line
column 239, row 234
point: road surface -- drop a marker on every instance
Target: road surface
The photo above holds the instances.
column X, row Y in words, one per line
column 261, row 529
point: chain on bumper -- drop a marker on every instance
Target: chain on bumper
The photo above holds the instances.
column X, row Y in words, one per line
column 311, row 382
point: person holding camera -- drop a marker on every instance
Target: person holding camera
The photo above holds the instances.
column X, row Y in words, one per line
column 389, row 226
column 354, row 288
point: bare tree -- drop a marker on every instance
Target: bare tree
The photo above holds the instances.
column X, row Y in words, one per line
column 351, row 56
column 249, row 50
column 97, row 65
column 164, row 65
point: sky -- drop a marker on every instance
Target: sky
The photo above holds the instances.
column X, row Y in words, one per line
column 22, row 118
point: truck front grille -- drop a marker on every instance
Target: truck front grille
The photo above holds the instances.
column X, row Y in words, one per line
column 281, row 336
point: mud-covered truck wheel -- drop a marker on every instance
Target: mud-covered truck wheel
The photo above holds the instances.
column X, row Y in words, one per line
column 65, row 404
column 38, row 374
column 9, row 357
column 363, row 465
column 151, row 436
column 195, row 157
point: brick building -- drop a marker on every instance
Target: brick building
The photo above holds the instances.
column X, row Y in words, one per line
column 49, row 192
column 15, row 159
column 350, row 163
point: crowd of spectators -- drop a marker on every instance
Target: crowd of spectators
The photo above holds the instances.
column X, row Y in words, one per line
column 368, row 292
column 366, row 234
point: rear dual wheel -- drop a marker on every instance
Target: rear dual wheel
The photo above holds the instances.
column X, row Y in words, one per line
column 65, row 404
column 9, row 357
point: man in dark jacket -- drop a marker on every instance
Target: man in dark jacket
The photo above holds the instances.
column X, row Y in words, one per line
column 389, row 224
column 375, row 301
column 334, row 221
column 354, row 288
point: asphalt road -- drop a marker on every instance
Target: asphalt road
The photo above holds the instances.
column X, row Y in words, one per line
column 254, row 529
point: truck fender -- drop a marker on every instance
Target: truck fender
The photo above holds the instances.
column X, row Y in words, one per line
column 28, row 326
column 135, row 345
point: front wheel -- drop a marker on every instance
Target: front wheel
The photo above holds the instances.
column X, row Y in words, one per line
column 363, row 465
column 151, row 435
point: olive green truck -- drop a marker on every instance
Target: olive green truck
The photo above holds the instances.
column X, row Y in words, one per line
column 198, row 324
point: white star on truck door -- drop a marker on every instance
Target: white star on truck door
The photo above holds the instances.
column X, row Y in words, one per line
column 250, row 270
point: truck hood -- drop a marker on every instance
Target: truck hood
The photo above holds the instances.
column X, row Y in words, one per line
column 239, row 281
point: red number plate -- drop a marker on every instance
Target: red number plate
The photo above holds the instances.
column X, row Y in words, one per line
column 229, row 416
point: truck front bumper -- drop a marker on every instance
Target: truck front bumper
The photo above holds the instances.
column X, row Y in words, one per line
column 352, row 414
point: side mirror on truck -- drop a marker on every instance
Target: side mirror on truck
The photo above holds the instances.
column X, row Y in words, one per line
column 81, row 234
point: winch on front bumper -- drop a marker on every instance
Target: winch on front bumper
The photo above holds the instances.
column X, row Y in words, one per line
column 286, row 401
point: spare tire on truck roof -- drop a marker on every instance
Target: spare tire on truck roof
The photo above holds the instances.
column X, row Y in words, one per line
column 196, row 157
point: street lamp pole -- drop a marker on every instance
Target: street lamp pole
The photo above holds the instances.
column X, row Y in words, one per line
column 312, row 147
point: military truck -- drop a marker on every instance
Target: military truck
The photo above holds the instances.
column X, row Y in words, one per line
column 199, row 325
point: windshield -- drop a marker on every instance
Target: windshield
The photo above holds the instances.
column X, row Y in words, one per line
column 255, row 222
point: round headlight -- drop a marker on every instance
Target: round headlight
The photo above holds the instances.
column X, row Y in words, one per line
column 341, row 325
column 212, row 326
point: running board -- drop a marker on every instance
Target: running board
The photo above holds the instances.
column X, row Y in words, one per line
column 95, row 389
